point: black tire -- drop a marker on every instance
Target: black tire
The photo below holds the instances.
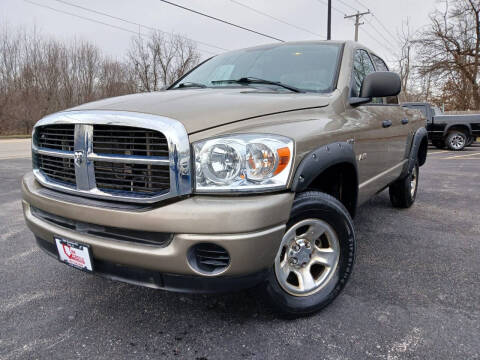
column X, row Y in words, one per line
column 401, row 194
column 470, row 141
column 439, row 144
column 456, row 140
column 316, row 205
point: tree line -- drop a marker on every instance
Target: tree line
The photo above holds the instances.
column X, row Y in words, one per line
column 41, row 75
column 439, row 63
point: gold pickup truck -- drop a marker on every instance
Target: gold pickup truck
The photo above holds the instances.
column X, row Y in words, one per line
column 246, row 172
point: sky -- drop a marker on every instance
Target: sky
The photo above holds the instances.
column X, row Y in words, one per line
column 213, row 37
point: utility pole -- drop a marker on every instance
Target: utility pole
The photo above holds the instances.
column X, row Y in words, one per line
column 357, row 21
column 329, row 20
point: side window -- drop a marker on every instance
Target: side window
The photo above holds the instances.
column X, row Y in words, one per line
column 379, row 63
column 422, row 109
column 381, row 66
column 362, row 66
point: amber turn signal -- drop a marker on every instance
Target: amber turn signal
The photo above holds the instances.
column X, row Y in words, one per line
column 283, row 159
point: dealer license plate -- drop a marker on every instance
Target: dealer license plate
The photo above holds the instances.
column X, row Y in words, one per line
column 74, row 254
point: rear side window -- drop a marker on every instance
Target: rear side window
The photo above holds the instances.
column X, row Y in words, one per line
column 421, row 108
column 381, row 66
column 379, row 63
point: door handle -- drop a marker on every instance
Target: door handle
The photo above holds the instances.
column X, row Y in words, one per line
column 386, row 123
column 404, row 121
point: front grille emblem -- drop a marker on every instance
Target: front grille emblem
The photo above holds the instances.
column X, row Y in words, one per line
column 78, row 157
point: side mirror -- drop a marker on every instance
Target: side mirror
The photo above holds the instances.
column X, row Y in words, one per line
column 381, row 84
column 378, row 84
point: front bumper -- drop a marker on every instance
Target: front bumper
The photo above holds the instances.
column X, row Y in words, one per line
column 250, row 228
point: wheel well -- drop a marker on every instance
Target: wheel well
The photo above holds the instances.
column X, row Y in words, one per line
column 422, row 151
column 464, row 129
column 339, row 181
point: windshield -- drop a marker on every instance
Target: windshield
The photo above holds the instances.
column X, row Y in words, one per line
column 308, row 67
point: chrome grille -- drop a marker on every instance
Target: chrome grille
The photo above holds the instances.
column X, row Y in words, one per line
column 59, row 169
column 140, row 178
column 59, row 137
column 126, row 140
column 115, row 155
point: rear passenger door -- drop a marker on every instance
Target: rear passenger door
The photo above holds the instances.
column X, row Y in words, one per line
column 371, row 136
column 399, row 131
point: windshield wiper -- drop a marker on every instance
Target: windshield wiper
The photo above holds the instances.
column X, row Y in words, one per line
column 191, row 84
column 254, row 80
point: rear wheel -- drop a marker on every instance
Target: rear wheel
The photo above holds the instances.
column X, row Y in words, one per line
column 403, row 192
column 315, row 257
column 456, row 140
column 470, row 141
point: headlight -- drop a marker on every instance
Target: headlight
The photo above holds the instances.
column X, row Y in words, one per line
column 242, row 162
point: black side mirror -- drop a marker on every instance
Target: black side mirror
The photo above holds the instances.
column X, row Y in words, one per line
column 378, row 84
column 381, row 84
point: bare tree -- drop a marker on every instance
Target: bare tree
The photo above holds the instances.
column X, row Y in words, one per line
column 39, row 76
column 405, row 61
column 450, row 52
column 159, row 60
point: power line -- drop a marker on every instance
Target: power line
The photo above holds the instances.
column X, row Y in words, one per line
column 357, row 17
column 361, row 4
column 366, row 32
column 84, row 18
column 384, row 27
column 376, row 18
column 377, row 31
column 134, row 23
column 347, row 5
column 379, row 43
column 104, row 23
column 274, row 18
column 370, row 23
column 220, row 20
column 333, row 7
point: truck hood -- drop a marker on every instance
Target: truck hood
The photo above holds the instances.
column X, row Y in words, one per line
column 201, row 109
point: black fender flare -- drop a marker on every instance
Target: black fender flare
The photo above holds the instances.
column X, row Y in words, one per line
column 462, row 125
column 421, row 135
column 319, row 160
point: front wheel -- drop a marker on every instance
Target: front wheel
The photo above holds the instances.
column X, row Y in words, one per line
column 315, row 257
column 403, row 192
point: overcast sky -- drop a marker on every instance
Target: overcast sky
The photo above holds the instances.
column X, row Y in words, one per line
column 308, row 14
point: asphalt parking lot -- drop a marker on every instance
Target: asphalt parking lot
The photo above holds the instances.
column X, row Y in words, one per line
column 414, row 293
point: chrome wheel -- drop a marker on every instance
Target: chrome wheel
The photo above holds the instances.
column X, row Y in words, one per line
column 307, row 257
column 457, row 142
column 413, row 182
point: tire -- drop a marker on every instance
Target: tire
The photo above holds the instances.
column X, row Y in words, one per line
column 403, row 192
column 329, row 237
column 470, row 141
column 456, row 140
column 439, row 144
